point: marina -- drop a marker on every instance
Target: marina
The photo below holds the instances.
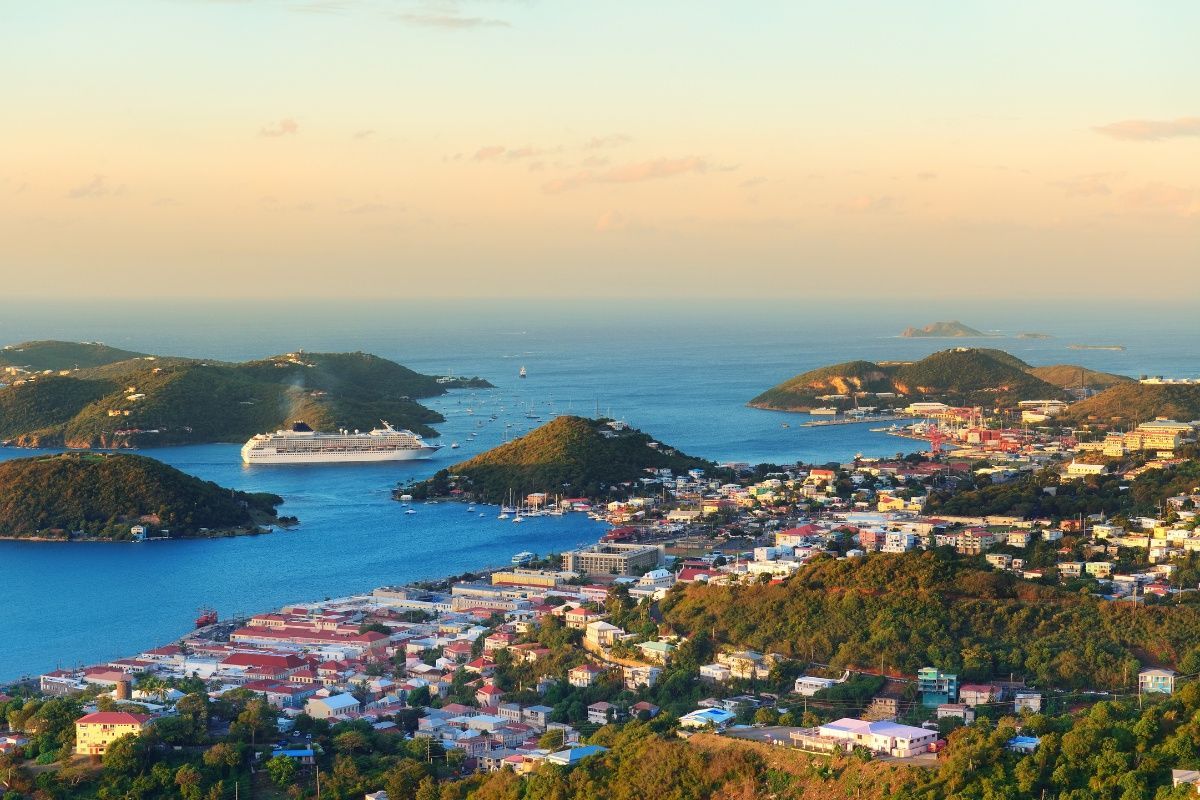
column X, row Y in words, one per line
column 853, row 420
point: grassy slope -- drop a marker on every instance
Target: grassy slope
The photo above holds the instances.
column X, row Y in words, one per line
column 566, row 455
column 102, row 494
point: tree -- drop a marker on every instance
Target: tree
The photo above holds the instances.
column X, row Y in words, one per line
column 222, row 756
column 350, row 741
column 428, row 789
column 125, row 755
column 187, row 778
column 282, row 770
column 553, row 740
column 257, row 720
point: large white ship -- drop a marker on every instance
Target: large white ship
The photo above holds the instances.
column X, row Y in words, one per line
column 303, row 445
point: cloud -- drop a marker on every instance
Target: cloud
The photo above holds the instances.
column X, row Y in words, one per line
column 367, row 208
column 1163, row 198
column 1151, row 130
column 97, row 187
column 632, row 173
column 285, row 127
column 451, row 21
column 926, row 176
column 612, row 140
column 1093, row 184
column 750, row 183
column 500, row 153
column 365, row 133
column 616, row 222
column 490, row 153
column 869, row 204
column 323, row 7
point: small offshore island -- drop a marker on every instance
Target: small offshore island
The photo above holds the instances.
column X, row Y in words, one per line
column 952, row 329
column 88, row 395
column 98, row 497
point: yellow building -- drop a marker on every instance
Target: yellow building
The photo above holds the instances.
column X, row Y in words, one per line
column 95, row 732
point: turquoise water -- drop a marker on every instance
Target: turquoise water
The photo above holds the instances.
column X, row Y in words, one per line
column 682, row 375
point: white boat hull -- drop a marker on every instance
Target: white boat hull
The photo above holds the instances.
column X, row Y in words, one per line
column 265, row 457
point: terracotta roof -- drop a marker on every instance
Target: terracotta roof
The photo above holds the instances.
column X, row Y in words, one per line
column 113, row 718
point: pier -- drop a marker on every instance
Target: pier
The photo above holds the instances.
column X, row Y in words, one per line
column 820, row 423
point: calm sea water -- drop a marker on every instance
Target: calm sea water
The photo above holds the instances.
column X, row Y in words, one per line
column 681, row 374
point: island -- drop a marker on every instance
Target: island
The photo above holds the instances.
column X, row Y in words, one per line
column 120, row 399
column 121, row 497
column 952, row 329
column 960, row 376
column 1116, row 348
column 1033, row 335
column 568, row 456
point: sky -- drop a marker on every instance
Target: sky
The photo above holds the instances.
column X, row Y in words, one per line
column 430, row 150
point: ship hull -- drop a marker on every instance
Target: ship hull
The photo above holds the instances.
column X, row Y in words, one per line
column 266, row 457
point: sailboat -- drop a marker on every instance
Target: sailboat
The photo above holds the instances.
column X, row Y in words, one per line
column 522, row 373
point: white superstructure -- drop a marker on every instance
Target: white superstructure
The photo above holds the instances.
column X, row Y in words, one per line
column 303, row 445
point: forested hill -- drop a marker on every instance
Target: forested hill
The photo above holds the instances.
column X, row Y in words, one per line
column 94, row 496
column 960, row 376
column 149, row 400
column 570, row 456
column 43, row 355
column 931, row 609
column 1127, row 404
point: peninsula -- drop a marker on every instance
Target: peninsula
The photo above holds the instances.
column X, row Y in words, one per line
column 960, row 376
column 119, row 399
column 120, row 497
column 573, row 455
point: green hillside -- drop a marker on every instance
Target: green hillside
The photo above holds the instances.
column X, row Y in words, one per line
column 1067, row 376
column 144, row 402
column 942, row 330
column 92, row 496
column 927, row 608
column 961, row 376
column 569, row 456
column 1130, row 403
column 43, row 355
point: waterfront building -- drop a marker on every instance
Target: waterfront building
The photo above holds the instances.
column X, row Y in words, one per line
column 613, row 559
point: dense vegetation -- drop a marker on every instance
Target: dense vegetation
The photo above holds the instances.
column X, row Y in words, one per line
column 143, row 402
column 569, row 455
column 1129, row 403
column 1067, row 376
column 962, row 376
column 1045, row 495
column 86, row 495
column 942, row 330
column 42, row 355
column 934, row 609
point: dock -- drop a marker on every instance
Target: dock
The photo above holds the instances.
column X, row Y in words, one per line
column 820, row 423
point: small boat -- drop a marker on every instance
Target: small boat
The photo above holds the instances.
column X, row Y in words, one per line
column 470, row 509
column 503, row 515
column 518, row 518
column 410, row 511
column 482, row 514
column 522, row 373
column 454, row 445
column 208, row 616
column 784, row 425
column 523, row 558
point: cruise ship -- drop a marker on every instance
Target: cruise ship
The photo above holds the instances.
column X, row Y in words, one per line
column 303, row 445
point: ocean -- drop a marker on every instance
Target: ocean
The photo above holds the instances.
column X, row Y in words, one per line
column 681, row 373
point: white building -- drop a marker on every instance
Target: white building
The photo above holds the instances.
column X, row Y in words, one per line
column 334, row 706
column 891, row 738
column 809, row 685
